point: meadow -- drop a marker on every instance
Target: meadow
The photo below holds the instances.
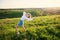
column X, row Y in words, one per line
column 41, row 28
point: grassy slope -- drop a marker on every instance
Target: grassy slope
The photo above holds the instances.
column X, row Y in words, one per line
column 42, row 28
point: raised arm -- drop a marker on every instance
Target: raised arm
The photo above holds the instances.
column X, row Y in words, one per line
column 24, row 13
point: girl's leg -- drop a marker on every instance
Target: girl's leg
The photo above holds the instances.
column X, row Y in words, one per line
column 16, row 28
column 23, row 27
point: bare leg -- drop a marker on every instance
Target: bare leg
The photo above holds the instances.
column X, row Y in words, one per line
column 23, row 27
column 16, row 28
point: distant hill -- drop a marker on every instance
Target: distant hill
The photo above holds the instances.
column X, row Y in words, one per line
column 14, row 13
column 51, row 9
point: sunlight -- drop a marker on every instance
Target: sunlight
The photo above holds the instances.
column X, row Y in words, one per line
column 29, row 3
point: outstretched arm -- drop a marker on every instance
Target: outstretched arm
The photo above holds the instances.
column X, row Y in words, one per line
column 30, row 19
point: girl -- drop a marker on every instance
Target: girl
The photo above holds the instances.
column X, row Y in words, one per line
column 25, row 16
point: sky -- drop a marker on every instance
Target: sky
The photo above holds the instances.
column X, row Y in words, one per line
column 29, row 3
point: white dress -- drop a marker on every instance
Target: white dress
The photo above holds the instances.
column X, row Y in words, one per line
column 25, row 18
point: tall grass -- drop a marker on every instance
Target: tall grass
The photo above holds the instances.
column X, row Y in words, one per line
column 41, row 28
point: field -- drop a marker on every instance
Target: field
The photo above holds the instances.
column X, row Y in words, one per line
column 41, row 28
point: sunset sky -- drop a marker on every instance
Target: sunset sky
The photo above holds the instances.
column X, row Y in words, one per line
column 29, row 3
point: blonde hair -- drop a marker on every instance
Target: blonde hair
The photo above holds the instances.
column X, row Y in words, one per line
column 29, row 15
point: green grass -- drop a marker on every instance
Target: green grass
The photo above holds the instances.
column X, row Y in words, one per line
column 41, row 28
